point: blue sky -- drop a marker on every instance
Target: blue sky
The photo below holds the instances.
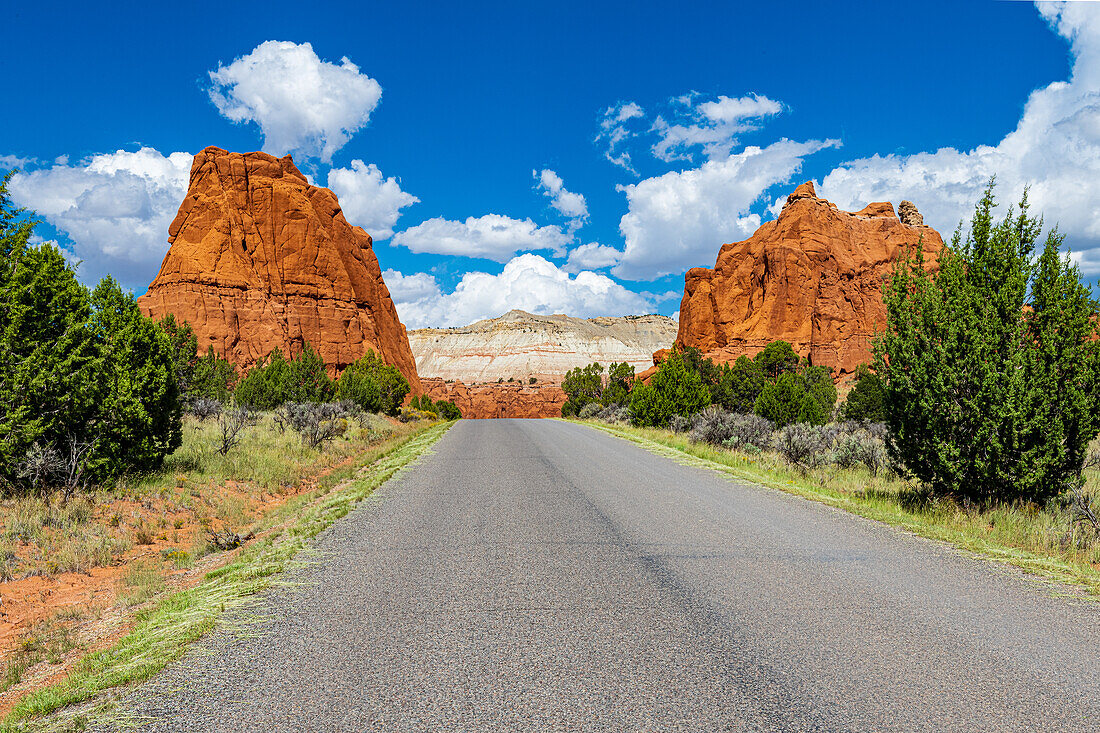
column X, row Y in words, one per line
column 483, row 137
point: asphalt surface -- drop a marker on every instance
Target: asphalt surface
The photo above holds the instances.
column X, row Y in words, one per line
column 544, row 576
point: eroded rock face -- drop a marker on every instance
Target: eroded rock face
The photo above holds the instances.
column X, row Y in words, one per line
column 812, row 277
column 262, row 260
column 520, row 345
column 508, row 399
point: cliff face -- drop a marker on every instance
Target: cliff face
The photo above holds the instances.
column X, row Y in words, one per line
column 509, row 399
column 521, row 345
column 262, row 260
column 812, row 277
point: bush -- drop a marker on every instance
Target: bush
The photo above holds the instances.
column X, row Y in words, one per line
column 726, row 429
column 204, row 408
column 231, row 425
column 751, row 430
column 616, row 414
column 208, row 377
column 673, row 390
column 589, row 411
column 448, row 410
column 680, row 423
column 373, row 384
column 713, row 425
column 803, row 445
column 276, row 380
column 411, row 414
column 991, row 367
column 317, row 423
column 423, row 403
column 866, row 401
column 860, row 448
column 444, row 409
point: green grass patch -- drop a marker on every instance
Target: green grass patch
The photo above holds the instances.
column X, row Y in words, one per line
column 1045, row 541
column 164, row 631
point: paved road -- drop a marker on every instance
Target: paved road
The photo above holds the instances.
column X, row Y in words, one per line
column 543, row 576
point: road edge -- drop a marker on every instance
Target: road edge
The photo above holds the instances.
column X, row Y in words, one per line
column 164, row 632
column 1059, row 575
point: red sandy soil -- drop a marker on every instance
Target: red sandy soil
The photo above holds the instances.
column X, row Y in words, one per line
column 96, row 619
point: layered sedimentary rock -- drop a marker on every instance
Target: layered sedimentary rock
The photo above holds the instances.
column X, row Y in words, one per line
column 812, row 277
column 261, row 260
column 508, row 399
column 519, row 345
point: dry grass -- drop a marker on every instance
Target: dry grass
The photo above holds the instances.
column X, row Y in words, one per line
column 142, row 580
column 1047, row 540
column 196, row 485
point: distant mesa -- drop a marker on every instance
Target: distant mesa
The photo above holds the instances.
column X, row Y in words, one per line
column 812, row 277
column 262, row 260
column 520, row 345
column 487, row 368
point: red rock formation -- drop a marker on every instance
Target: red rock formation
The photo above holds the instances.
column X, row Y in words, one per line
column 812, row 277
column 262, row 260
column 506, row 399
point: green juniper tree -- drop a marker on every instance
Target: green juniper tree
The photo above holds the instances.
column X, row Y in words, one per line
column 866, row 400
column 87, row 384
column 138, row 402
column 264, row 386
column 50, row 359
column 739, row 385
column 277, row 380
column 776, row 358
column 582, row 386
column 676, row 389
column 374, row 385
column 990, row 366
column 620, row 380
column 781, row 401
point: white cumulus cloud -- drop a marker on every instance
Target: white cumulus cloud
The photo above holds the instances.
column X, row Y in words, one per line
column 301, row 103
column 591, row 256
column 114, row 207
column 368, row 198
column 570, row 205
column 680, row 219
column 492, row 237
column 528, row 282
column 1055, row 149
column 714, row 125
